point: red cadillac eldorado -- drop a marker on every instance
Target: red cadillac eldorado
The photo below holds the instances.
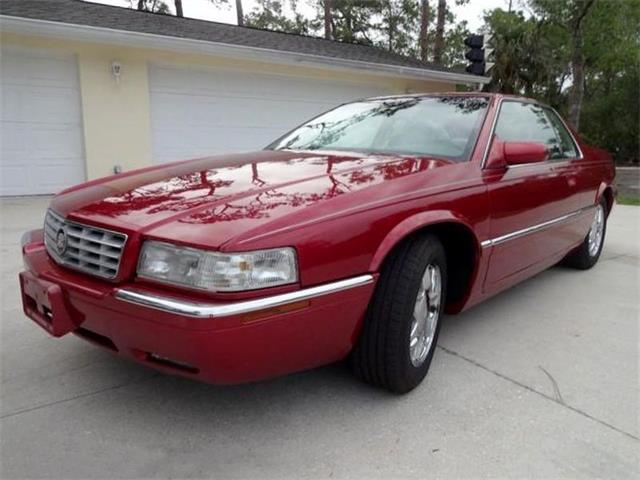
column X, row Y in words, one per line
column 348, row 237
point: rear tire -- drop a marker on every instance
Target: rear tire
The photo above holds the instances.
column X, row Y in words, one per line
column 588, row 253
column 398, row 339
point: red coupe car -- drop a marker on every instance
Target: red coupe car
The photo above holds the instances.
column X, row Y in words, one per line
column 348, row 237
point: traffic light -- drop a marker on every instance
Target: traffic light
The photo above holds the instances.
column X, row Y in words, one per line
column 480, row 54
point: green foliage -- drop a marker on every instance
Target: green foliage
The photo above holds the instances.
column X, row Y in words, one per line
column 622, row 200
column 399, row 25
column 533, row 58
column 393, row 25
column 352, row 20
column 155, row 6
column 611, row 109
column 522, row 62
column 454, row 47
column 270, row 15
column 454, row 35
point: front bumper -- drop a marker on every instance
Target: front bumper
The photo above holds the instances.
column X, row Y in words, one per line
column 220, row 343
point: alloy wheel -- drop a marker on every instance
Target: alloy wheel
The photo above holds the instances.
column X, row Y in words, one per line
column 426, row 313
column 596, row 232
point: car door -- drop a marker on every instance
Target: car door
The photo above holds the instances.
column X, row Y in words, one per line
column 583, row 175
column 529, row 202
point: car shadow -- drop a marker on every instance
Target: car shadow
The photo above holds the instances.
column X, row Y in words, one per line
column 156, row 396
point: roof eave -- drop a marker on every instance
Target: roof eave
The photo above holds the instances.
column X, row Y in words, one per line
column 87, row 33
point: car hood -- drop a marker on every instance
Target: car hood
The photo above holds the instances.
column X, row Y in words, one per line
column 229, row 194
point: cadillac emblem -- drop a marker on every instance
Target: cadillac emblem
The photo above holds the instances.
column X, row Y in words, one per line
column 61, row 241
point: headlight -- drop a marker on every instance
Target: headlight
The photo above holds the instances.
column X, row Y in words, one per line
column 216, row 271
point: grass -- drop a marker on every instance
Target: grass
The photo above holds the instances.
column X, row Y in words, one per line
column 624, row 200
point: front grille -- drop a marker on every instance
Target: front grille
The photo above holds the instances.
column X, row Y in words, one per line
column 89, row 249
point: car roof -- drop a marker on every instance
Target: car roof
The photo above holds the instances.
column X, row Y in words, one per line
column 450, row 94
column 432, row 94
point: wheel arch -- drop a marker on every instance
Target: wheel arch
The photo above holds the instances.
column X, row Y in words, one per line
column 606, row 191
column 459, row 240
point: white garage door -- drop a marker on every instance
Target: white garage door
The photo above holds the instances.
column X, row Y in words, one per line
column 203, row 112
column 41, row 143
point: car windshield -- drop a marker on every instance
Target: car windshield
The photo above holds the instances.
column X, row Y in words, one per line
column 442, row 126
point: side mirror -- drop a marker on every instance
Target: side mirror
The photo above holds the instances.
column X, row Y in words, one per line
column 522, row 153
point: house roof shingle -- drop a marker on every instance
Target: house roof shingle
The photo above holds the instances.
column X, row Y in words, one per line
column 119, row 18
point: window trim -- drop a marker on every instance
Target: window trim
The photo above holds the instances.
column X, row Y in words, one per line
column 579, row 155
column 492, row 132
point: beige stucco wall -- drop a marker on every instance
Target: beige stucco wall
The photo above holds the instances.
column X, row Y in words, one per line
column 116, row 115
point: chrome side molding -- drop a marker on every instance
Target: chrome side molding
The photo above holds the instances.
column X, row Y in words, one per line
column 212, row 310
column 533, row 229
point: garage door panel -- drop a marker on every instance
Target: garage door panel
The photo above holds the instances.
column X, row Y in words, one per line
column 209, row 82
column 48, row 173
column 211, row 143
column 55, row 106
column 182, row 110
column 224, row 85
column 28, row 104
column 58, row 141
column 205, row 112
column 13, row 178
column 12, row 140
column 194, row 109
column 198, row 111
column 40, row 140
column 41, row 147
column 40, row 69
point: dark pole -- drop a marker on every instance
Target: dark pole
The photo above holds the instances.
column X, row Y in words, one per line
column 239, row 13
column 327, row 19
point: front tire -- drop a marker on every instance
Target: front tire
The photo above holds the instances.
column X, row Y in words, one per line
column 401, row 327
column 588, row 253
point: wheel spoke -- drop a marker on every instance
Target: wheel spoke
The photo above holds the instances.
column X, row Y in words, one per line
column 596, row 232
column 434, row 292
column 434, row 299
column 420, row 309
column 414, row 329
column 426, row 279
column 425, row 315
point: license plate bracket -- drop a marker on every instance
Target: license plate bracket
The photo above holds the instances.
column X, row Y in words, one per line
column 44, row 303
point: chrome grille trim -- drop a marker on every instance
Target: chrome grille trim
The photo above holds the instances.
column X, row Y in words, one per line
column 92, row 250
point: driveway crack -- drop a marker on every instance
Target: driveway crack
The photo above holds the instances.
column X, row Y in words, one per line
column 558, row 401
column 76, row 397
column 554, row 384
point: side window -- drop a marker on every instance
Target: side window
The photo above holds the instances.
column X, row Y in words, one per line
column 527, row 122
column 567, row 145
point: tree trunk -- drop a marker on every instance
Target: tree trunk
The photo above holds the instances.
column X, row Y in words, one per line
column 577, row 89
column 327, row 19
column 577, row 62
column 141, row 5
column 179, row 12
column 439, row 42
column 424, row 26
column 391, row 28
column 348, row 29
column 239, row 13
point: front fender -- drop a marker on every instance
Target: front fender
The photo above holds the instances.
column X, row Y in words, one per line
column 414, row 223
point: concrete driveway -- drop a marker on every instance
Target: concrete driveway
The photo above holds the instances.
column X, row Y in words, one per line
column 541, row 381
